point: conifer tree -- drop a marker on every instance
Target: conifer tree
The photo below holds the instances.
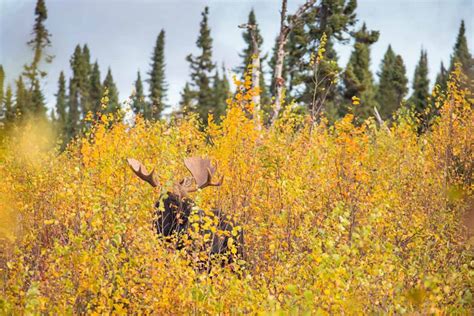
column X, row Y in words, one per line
column 75, row 87
column 393, row 82
column 9, row 114
column 38, row 108
column 61, row 102
column 201, row 70
column 39, row 42
column 187, row 96
column 247, row 55
column 421, row 84
column 157, row 82
column 461, row 52
column 442, row 78
column 335, row 19
column 112, row 92
column 357, row 78
column 221, row 89
column 83, row 75
column 139, row 105
column 73, row 116
column 85, row 81
column 2, row 83
column 21, row 99
column 96, row 90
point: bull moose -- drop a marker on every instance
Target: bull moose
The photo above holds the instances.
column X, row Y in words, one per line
column 174, row 219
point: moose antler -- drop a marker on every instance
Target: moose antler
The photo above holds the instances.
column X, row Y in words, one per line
column 202, row 171
column 140, row 170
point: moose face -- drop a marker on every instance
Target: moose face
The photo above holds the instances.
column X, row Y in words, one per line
column 174, row 219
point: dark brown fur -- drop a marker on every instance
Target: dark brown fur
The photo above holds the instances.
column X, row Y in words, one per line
column 174, row 220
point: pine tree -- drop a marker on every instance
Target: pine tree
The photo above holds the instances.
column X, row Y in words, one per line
column 421, row 84
column 357, row 78
column 39, row 42
column 96, row 90
column 461, row 52
column 201, row 70
column 139, row 105
column 157, row 80
column 109, row 85
column 393, row 82
column 61, row 102
column 442, row 78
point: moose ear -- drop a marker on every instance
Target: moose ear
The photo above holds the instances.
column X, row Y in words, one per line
column 139, row 169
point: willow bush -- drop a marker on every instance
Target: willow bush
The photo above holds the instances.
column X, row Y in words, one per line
column 344, row 218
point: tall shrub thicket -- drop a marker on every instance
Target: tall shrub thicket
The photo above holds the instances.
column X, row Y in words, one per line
column 342, row 219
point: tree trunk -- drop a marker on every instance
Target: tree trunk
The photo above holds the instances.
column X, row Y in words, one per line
column 280, row 58
column 285, row 30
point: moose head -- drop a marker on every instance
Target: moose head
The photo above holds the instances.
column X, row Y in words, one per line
column 174, row 219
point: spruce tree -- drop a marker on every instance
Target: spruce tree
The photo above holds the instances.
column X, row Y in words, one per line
column 461, row 52
column 221, row 89
column 74, row 97
column 187, row 96
column 357, row 78
column 421, row 84
column 21, row 99
column 73, row 116
column 393, row 82
column 9, row 114
column 85, row 81
column 335, row 19
column 2, row 83
column 157, row 82
column 96, row 90
column 38, row 108
column 139, row 105
column 39, row 42
column 247, row 55
column 61, row 102
column 112, row 93
column 201, row 70
column 442, row 78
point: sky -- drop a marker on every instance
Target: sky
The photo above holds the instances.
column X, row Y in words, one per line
column 121, row 34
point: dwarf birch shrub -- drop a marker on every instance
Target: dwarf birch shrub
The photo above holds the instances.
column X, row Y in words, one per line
column 338, row 219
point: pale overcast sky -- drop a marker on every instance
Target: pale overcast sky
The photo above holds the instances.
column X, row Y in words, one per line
column 121, row 34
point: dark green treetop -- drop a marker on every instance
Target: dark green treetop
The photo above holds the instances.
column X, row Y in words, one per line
column 157, row 82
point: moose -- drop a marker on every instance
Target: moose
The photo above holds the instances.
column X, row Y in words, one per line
column 174, row 220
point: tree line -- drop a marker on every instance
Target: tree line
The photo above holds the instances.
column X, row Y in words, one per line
column 307, row 69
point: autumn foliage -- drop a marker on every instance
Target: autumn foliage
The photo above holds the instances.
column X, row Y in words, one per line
column 352, row 218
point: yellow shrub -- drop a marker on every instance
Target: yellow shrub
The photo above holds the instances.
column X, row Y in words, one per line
column 337, row 219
